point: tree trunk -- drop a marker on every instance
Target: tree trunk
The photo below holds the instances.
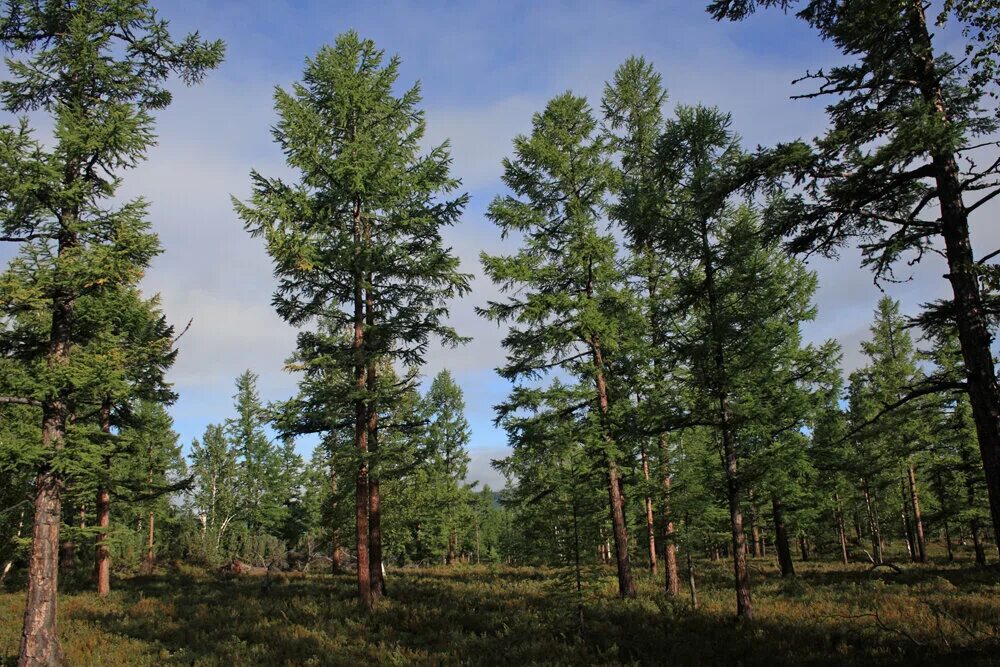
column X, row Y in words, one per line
column 672, row 580
column 804, row 547
column 626, row 587
column 39, row 636
column 335, row 565
column 39, row 641
column 361, row 495
column 977, row 543
column 841, row 531
column 970, row 315
column 744, row 605
column 781, row 538
column 650, row 527
column 873, row 524
column 691, row 585
column 102, row 556
column 917, row 521
column 374, row 494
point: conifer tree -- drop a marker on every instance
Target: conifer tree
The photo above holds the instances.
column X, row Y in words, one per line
column 357, row 239
column 633, row 117
column 902, row 169
column 447, row 438
column 98, row 69
column 567, row 305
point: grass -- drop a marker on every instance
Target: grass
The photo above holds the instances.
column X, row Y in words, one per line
column 934, row 614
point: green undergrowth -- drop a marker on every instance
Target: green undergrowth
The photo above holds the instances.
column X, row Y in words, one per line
column 829, row 614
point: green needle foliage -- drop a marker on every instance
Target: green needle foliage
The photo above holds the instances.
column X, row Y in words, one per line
column 908, row 160
column 98, row 70
column 568, row 308
column 356, row 241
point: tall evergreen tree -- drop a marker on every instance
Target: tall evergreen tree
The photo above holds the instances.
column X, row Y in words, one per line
column 567, row 304
column 902, row 168
column 357, row 240
column 98, row 69
column 447, row 439
column 633, row 116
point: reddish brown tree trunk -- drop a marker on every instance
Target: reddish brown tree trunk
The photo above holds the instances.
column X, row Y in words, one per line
column 626, row 587
column 374, row 493
column 102, row 556
column 39, row 635
column 39, row 641
column 361, row 424
column 650, row 526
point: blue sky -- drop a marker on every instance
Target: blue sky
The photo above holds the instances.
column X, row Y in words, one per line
column 485, row 68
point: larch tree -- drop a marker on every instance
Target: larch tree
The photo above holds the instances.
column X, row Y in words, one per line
column 906, row 164
column 98, row 69
column 732, row 343
column 447, row 438
column 566, row 293
column 356, row 240
column 633, row 119
column 262, row 493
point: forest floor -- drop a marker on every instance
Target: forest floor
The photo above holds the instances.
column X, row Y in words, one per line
column 829, row 614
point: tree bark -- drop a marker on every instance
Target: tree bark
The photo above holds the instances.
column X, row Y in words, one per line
column 650, row 526
column 39, row 636
column 691, row 584
column 361, row 421
column 672, row 579
column 781, row 538
column 841, row 531
column 626, row 587
column 918, row 523
column 39, row 641
column 374, row 504
column 873, row 524
column 102, row 556
column 970, row 315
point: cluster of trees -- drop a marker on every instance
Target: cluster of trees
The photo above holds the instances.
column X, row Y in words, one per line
column 653, row 287
column 655, row 308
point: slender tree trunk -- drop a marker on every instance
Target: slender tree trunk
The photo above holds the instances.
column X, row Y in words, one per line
column 150, row 564
column 335, row 565
column 650, row 526
column 945, row 513
column 754, row 527
column 744, row 605
column 841, row 531
column 905, row 516
column 102, row 556
column 691, row 585
column 626, row 587
column 672, row 580
column 781, row 538
column 970, row 315
column 917, row 521
column 947, row 543
column 873, row 524
column 374, row 496
column 804, row 547
column 361, row 420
